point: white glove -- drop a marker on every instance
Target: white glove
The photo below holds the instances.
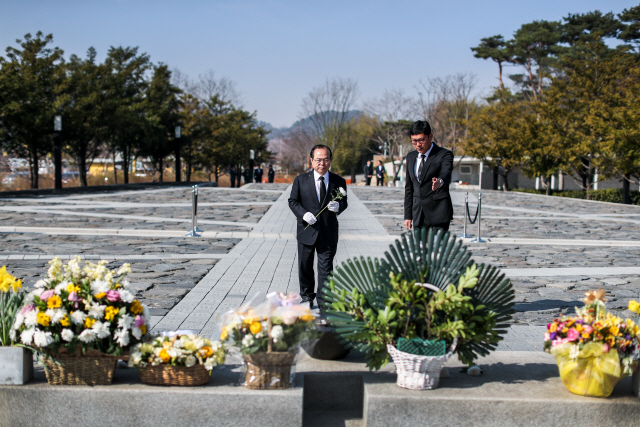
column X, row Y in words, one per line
column 310, row 218
column 333, row 206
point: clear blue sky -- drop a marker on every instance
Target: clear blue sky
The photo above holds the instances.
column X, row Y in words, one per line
column 277, row 51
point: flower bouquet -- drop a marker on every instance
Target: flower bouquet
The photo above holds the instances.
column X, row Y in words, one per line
column 16, row 358
column 269, row 336
column 177, row 358
column 594, row 348
column 82, row 319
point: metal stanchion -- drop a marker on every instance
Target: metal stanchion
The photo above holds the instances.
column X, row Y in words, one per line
column 464, row 234
column 194, row 214
column 479, row 239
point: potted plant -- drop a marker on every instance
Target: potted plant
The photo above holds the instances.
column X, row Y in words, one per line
column 594, row 349
column 16, row 360
column 177, row 358
column 426, row 294
column 82, row 319
column 269, row 336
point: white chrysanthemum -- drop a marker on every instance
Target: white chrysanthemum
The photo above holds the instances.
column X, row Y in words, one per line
column 190, row 361
column 126, row 296
column 125, row 322
column 98, row 286
column 31, row 318
column 87, row 336
column 146, row 314
column 125, row 283
column 60, row 287
column 19, row 320
column 156, row 351
column 248, row 340
column 215, row 346
column 122, row 337
column 57, row 315
column 37, row 292
column 174, row 352
column 67, row 334
column 137, row 333
column 78, row 317
column 101, row 329
column 277, row 333
column 12, row 334
column 210, row 363
column 27, row 336
column 198, row 342
column 42, row 339
column 96, row 311
column 50, row 312
column 40, row 284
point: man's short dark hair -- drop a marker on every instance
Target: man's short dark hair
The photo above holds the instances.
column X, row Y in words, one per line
column 319, row 146
column 421, row 126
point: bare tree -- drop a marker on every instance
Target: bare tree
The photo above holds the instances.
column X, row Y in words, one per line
column 447, row 104
column 207, row 85
column 328, row 108
column 294, row 150
column 394, row 112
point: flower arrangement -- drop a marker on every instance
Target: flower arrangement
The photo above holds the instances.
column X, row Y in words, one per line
column 81, row 308
column 279, row 324
column 177, row 349
column 11, row 299
column 411, row 316
column 594, row 348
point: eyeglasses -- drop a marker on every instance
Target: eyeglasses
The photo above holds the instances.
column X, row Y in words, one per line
column 419, row 141
column 325, row 161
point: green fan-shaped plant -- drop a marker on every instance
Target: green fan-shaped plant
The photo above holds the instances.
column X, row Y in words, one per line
column 424, row 256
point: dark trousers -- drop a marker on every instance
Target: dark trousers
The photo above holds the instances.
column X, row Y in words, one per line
column 368, row 180
column 380, row 180
column 421, row 223
column 326, row 253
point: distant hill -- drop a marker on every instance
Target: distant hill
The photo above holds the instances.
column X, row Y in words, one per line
column 306, row 124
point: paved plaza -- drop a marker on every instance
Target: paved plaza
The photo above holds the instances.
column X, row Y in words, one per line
column 552, row 248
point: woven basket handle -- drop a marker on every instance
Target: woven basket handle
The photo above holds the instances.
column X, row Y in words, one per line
column 454, row 344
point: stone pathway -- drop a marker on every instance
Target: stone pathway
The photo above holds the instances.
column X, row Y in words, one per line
column 553, row 249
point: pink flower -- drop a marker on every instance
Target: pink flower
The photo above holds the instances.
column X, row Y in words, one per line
column 588, row 329
column 605, row 348
column 139, row 321
column 73, row 296
column 113, row 295
column 547, row 336
column 573, row 335
column 27, row 308
column 47, row 294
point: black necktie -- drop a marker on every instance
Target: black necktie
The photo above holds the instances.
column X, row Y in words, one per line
column 323, row 190
column 422, row 157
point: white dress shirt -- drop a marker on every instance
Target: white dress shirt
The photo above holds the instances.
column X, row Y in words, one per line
column 426, row 155
column 316, row 177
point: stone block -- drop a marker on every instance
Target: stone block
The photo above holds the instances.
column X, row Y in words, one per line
column 16, row 365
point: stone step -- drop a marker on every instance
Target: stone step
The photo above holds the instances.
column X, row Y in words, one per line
column 517, row 388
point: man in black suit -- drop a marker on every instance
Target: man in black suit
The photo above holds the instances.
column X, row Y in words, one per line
column 312, row 191
column 271, row 174
column 257, row 175
column 427, row 202
column 380, row 174
column 368, row 172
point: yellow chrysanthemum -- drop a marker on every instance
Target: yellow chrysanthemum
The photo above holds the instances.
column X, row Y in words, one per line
column 255, row 327
column 101, row 295
column 64, row 321
column 54, row 302
column 143, row 329
column 43, row 319
column 634, row 306
column 110, row 313
column 73, row 288
column 553, row 327
column 307, row 318
column 164, row 355
column 136, row 307
column 88, row 322
column 224, row 334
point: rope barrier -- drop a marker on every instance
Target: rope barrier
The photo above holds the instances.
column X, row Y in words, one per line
column 472, row 221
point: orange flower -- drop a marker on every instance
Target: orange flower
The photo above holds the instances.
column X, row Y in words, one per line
column 255, row 327
column 164, row 355
column 307, row 318
column 101, row 295
column 206, row 351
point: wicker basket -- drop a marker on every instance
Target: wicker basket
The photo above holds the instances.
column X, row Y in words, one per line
column 175, row 375
column 419, row 372
column 269, row 371
column 80, row 370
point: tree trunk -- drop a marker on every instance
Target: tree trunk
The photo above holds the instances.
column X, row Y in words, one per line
column 125, row 165
column 82, row 171
column 216, row 173
column 161, row 163
column 238, row 176
column 626, row 194
column 34, row 170
column 505, row 185
column 115, row 172
column 495, row 178
column 189, row 170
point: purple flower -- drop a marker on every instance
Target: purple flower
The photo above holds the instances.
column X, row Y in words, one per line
column 139, row 321
column 553, row 335
column 27, row 308
column 47, row 294
column 113, row 295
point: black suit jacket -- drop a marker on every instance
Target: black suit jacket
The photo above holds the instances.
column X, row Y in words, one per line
column 304, row 199
column 419, row 199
